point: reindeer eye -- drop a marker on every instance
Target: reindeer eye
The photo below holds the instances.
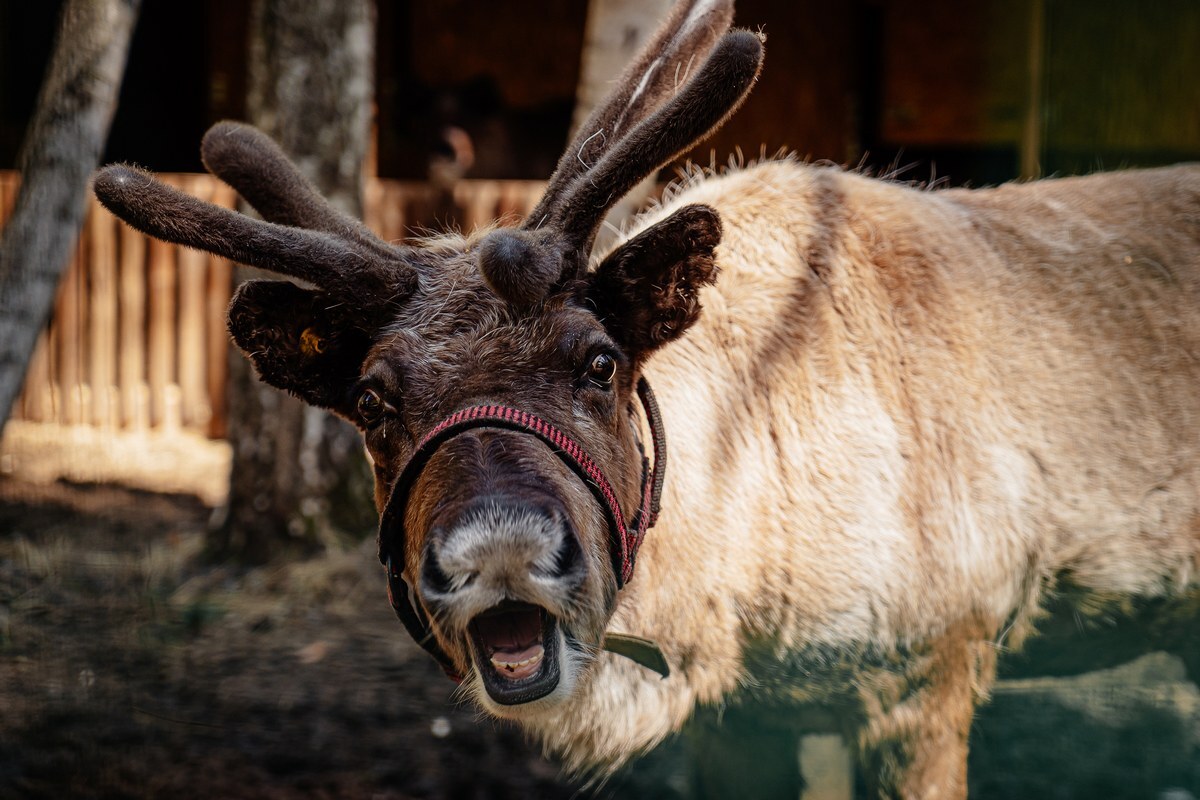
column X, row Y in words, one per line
column 370, row 406
column 602, row 369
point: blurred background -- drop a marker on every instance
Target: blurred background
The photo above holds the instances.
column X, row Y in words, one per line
column 188, row 597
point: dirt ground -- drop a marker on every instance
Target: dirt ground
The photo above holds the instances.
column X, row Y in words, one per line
column 128, row 669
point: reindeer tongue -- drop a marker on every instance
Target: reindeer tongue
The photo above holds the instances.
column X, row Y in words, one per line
column 512, row 640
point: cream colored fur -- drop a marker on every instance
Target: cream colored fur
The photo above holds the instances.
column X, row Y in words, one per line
column 903, row 416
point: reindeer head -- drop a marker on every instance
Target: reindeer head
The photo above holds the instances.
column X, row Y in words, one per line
column 507, row 552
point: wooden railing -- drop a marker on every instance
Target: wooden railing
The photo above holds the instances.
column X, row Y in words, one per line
column 137, row 337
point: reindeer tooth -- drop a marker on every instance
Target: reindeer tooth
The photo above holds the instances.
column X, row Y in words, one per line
column 512, row 665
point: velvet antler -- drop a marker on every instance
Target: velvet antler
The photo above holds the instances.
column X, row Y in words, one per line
column 251, row 162
column 683, row 85
column 665, row 62
column 304, row 236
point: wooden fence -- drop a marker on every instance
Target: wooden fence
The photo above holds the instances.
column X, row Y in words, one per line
column 137, row 337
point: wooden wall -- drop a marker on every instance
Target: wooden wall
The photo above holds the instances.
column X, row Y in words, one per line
column 137, row 337
column 941, row 84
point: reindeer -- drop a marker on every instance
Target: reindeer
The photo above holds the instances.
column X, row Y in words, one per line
column 906, row 422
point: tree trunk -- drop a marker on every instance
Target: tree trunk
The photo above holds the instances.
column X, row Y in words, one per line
column 300, row 481
column 62, row 147
column 615, row 31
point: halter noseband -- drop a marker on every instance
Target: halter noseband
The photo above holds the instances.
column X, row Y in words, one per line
column 624, row 539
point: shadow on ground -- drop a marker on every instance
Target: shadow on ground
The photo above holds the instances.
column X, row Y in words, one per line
column 128, row 669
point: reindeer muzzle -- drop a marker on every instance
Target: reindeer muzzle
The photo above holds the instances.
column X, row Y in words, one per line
column 624, row 538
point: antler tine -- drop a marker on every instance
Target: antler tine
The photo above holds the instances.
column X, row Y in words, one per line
column 251, row 162
column 332, row 263
column 662, row 121
column 707, row 100
column 684, row 38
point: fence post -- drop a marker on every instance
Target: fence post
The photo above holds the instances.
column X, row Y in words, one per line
column 161, row 337
column 67, row 321
column 102, row 316
column 191, row 362
column 135, row 399
column 137, row 338
column 827, row 767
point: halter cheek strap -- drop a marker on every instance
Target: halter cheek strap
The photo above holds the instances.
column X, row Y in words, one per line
column 624, row 539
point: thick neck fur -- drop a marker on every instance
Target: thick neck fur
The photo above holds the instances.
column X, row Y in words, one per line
column 879, row 430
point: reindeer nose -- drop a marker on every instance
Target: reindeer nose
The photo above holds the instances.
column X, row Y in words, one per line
column 504, row 545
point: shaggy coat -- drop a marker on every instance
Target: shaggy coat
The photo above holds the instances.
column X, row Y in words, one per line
column 902, row 422
column 908, row 418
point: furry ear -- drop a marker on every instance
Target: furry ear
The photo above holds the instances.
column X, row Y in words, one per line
column 646, row 291
column 297, row 342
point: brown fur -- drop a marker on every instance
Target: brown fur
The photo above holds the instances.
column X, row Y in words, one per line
column 916, row 414
column 902, row 422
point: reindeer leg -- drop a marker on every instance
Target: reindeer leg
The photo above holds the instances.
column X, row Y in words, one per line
column 914, row 742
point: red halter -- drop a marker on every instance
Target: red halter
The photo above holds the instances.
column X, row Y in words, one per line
column 624, row 539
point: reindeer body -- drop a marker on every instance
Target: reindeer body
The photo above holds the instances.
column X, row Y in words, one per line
column 903, row 422
column 906, row 417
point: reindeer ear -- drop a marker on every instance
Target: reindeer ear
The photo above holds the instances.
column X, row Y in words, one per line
column 298, row 342
column 646, row 291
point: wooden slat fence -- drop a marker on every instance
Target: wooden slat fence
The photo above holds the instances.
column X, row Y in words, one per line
column 137, row 338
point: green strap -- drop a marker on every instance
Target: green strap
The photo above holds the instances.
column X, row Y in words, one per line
column 639, row 650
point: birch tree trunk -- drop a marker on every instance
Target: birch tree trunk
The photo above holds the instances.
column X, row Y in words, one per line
column 299, row 479
column 62, row 148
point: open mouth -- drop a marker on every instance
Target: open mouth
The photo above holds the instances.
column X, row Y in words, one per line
column 515, row 646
